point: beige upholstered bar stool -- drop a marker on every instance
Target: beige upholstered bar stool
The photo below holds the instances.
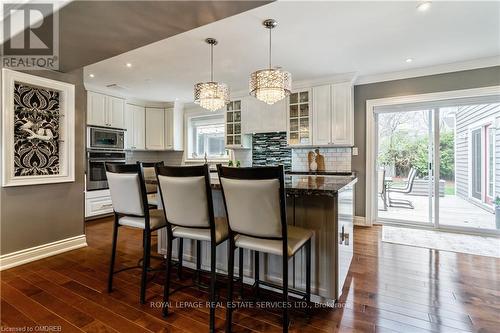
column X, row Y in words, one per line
column 187, row 201
column 151, row 189
column 256, row 210
column 131, row 209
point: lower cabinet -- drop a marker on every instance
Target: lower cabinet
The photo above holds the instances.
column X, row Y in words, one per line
column 98, row 203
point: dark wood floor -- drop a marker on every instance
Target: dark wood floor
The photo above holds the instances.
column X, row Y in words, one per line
column 391, row 288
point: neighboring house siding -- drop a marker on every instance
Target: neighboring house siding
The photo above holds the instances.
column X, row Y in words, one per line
column 466, row 117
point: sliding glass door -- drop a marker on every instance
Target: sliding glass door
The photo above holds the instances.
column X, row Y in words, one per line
column 461, row 144
column 405, row 169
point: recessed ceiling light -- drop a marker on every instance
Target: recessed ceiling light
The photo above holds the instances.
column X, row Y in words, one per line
column 423, row 6
column 92, row 75
column 128, row 64
column 409, row 60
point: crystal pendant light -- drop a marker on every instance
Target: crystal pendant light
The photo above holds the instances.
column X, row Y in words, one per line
column 211, row 95
column 272, row 84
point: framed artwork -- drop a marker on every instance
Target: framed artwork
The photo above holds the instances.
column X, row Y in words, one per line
column 38, row 130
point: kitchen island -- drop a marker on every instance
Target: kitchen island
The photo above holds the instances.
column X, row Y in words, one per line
column 323, row 203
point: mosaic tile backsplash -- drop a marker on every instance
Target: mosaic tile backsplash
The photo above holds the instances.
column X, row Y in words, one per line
column 271, row 149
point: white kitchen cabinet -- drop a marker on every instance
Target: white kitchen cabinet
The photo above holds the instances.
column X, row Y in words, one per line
column 104, row 110
column 116, row 112
column 155, row 129
column 342, row 114
column 174, row 127
column 234, row 137
column 97, row 109
column 135, row 118
column 332, row 115
column 98, row 203
column 299, row 118
column 322, row 111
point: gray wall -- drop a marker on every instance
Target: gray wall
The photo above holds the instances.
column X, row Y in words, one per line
column 476, row 78
column 467, row 116
column 40, row 214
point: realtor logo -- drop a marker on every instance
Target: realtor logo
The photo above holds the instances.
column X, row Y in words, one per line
column 31, row 36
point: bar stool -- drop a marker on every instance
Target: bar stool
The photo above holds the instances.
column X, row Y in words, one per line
column 150, row 173
column 187, row 201
column 130, row 206
column 256, row 210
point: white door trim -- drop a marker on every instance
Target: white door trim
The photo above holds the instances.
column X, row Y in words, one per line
column 371, row 104
column 25, row 256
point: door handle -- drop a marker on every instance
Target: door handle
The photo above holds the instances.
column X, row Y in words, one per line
column 341, row 236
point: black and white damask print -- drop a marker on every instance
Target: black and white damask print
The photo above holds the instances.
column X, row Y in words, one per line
column 36, row 130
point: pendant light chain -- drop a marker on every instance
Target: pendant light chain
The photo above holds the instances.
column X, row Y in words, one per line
column 211, row 62
column 270, row 47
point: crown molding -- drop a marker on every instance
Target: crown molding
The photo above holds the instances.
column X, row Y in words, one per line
column 431, row 70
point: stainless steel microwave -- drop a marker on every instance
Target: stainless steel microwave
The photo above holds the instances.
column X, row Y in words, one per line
column 105, row 138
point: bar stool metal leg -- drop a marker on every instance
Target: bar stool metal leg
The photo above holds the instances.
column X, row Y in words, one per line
column 240, row 267
column 230, row 271
column 257, row 271
column 145, row 263
column 113, row 254
column 285, row 292
column 180, row 251
column 166, row 288
column 308, row 276
column 212, row 286
column 198, row 261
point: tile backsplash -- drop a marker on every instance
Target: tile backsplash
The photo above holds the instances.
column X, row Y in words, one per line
column 271, row 149
column 336, row 159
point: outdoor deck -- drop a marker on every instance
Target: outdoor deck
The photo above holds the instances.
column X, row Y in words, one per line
column 454, row 211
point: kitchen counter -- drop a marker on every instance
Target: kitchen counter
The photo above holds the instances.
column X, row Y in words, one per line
column 301, row 184
column 322, row 203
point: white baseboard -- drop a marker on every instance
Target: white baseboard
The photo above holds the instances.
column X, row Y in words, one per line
column 360, row 220
column 21, row 257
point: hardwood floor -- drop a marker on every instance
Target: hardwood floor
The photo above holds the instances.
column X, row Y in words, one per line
column 391, row 288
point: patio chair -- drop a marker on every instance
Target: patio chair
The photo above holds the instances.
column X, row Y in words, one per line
column 382, row 187
column 402, row 203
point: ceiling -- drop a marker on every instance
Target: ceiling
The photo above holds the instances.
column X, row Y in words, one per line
column 90, row 31
column 312, row 40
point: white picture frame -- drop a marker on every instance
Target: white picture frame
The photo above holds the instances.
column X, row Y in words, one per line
column 66, row 130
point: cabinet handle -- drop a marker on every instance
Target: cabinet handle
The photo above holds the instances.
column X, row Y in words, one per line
column 107, row 205
column 346, row 239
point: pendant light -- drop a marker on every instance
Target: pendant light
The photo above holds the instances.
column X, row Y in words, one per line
column 272, row 84
column 211, row 95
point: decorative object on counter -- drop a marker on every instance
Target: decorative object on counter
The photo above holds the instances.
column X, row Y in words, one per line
column 211, row 95
column 271, row 149
column 316, row 161
column 272, row 84
column 38, row 130
column 331, row 159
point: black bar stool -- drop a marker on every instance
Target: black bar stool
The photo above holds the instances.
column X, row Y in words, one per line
column 131, row 209
column 187, row 202
column 256, row 210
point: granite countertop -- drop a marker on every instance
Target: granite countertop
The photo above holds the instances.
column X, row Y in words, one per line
column 301, row 184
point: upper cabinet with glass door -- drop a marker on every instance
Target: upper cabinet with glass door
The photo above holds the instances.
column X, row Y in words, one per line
column 299, row 118
column 234, row 137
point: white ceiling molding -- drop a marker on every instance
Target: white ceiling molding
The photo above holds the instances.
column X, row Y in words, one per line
column 431, row 70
